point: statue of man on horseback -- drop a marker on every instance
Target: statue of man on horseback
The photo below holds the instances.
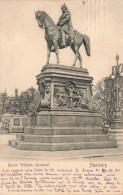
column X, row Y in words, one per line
column 64, row 29
column 65, row 26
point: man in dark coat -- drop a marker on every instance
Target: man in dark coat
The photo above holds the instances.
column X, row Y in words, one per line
column 65, row 25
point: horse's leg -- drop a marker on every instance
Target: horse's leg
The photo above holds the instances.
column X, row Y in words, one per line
column 76, row 51
column 80, row 57
column 48, row 52
column 56, row 50
column 80, row 60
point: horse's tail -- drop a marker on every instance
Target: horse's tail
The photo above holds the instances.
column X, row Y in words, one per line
column 86, row 42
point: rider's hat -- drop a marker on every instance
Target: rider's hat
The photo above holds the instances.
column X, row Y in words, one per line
column 64, row 6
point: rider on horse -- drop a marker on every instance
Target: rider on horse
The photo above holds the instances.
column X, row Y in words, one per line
column 65, row 25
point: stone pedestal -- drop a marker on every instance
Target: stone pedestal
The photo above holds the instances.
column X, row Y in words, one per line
column 66, row 117
column 118, row 135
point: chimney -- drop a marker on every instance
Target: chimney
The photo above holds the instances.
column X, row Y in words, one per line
column 16, row 92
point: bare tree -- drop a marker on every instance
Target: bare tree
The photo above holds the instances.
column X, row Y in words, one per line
column 105, row 99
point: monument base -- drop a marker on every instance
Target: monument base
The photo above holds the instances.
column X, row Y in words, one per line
column 66, row 117
column 61, row 131
column 4, row 131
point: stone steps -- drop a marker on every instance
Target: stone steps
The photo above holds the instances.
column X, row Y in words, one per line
column 4, row 131
column 116, row 131
column 62, row 130
column 118, row 135
column 61, row 146
column 17, row 130
column 62, row 138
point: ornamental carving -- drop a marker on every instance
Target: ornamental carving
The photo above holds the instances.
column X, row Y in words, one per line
column 70, row 97
column 41, row 99
column 44, row 89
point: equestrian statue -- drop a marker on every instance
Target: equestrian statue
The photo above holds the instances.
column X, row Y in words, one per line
column 62, row 35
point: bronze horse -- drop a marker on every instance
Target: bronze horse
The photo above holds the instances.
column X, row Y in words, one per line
column 52, row 36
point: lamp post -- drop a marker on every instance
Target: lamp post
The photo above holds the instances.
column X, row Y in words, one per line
column 116, row 70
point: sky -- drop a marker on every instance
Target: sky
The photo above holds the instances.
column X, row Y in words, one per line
column 23, row 49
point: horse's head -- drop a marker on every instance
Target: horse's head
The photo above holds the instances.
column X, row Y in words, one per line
column 40, row 18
